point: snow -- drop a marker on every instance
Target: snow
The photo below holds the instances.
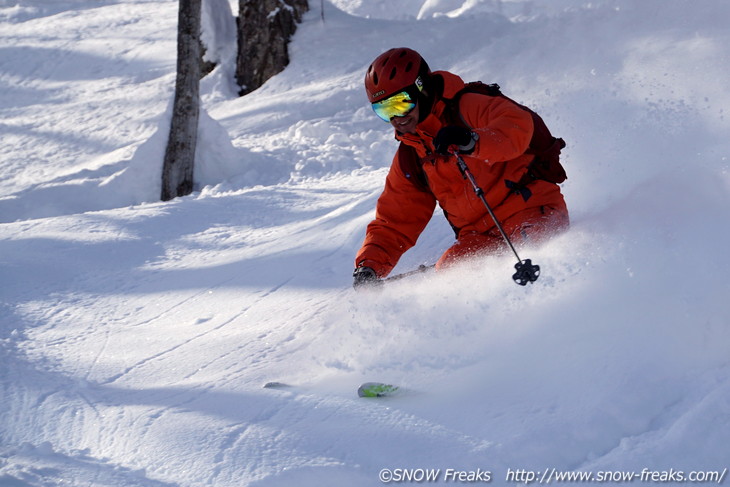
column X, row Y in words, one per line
column 136, row 335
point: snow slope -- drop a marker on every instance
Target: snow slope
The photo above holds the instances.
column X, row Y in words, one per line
column 135, row 335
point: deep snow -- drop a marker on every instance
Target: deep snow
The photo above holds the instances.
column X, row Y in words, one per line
column 135, row 335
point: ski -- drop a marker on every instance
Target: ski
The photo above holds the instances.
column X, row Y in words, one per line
column 367, row 389
column 377, row 389
column 277, row 385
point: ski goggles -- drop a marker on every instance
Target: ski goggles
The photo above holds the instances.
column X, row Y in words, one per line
column 398, row 105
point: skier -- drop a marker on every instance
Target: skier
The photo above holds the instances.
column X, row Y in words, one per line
column 493, row 140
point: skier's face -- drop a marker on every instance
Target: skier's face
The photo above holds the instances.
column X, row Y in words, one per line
column 407, row 123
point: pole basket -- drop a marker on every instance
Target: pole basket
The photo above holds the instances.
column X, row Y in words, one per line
column 526, row 272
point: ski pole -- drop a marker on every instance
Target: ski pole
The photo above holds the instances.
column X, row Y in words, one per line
column 526, row 270
column 419, row 270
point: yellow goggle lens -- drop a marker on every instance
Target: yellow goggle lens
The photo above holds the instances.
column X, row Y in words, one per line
column 397, row 105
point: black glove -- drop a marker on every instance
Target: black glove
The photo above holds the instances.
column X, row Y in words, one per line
column 450, row 135
column 364, row 277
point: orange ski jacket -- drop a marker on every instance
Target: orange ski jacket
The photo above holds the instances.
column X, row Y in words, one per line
column 404, row 209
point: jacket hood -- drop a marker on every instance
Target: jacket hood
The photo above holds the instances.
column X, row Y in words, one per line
column 441, row 84
column 446, row 84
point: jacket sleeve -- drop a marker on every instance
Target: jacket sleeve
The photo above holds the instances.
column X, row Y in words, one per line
column 503, row 127
column 401, row 214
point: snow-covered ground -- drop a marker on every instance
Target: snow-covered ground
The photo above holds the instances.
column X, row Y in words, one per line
column 136, row 336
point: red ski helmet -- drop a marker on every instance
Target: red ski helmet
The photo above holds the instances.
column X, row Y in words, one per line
column 398, row 69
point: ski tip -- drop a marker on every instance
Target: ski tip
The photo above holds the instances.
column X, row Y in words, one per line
column 376, row 389
column 276, row 385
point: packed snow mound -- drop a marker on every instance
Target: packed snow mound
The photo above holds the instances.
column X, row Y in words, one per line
column 136, row 335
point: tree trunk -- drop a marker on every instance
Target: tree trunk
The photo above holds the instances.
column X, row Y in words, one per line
column 177, row 170
column 264, row 30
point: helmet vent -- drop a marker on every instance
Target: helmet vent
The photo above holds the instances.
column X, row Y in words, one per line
column 409, row 66
column 392, row 73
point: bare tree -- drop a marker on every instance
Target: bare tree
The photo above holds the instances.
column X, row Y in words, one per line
column 179, row 162
column 264, row 30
